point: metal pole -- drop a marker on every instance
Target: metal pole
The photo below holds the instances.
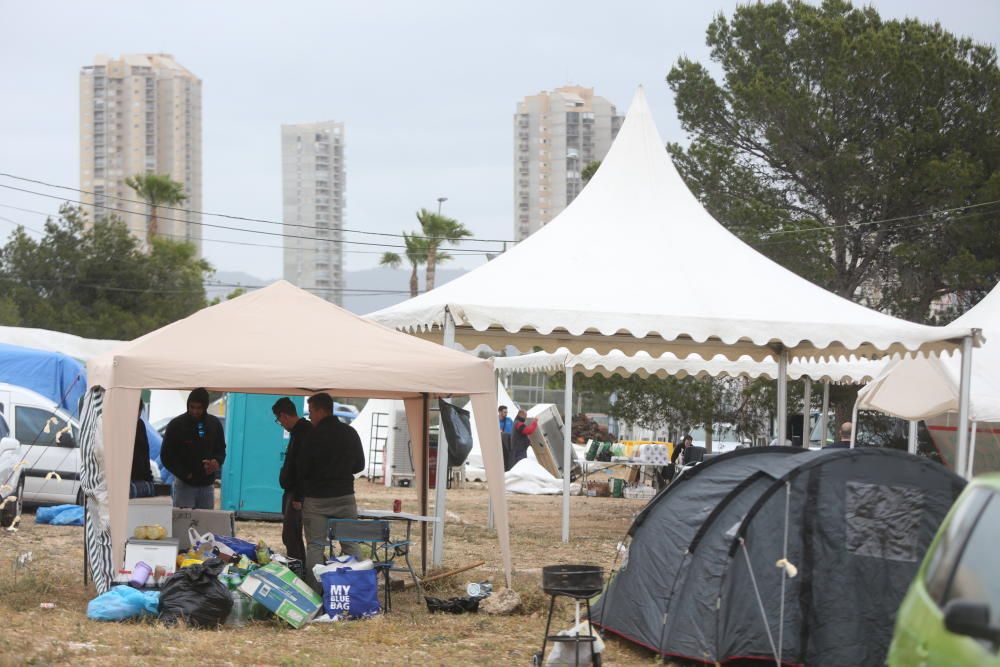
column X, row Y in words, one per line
column 567, row 449
column 782, row 397
column 824, row 420
column 911, row 437
column 962, row 461
column 806, row 411
column 972, row 452
column 854, row 424
column 425, row 467
column 437, row 554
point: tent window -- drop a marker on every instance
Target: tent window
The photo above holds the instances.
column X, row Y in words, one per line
column 883, row 521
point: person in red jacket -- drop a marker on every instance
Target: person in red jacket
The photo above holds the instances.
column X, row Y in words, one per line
column 519, row 441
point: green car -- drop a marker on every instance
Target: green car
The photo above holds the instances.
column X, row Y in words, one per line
column 951, row 614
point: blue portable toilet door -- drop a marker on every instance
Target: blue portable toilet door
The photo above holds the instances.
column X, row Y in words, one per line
column 256, row 451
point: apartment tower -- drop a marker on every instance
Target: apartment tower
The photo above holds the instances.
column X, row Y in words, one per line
column 140, row 113
column 313, row 187
column 556, row 135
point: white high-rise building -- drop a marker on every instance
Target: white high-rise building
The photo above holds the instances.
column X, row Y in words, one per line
column 140, row 113
column 556, row 135
column 313, row 187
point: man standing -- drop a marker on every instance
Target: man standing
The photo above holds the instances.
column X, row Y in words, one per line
column 506, row 423
column 194, row 449
column 332, row 455
column 845, row 437
column 519, row 440
column 291, row 501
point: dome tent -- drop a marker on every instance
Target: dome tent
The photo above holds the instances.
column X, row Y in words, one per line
column 852, row 524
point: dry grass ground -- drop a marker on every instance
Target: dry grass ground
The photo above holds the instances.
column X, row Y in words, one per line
column 409, row 635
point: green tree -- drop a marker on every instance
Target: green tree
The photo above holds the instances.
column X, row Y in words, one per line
column 94, row 280
column 589, row 171
column 830, row 129
column 416, row 255
column 156, row 190
column 439, row 229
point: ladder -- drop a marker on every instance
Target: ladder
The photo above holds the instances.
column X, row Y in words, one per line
column 377, row 441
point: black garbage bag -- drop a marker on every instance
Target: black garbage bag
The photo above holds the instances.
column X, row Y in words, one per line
column 196, row 595
column 453, row 605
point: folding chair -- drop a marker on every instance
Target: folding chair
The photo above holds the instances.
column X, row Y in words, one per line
column 384, row 551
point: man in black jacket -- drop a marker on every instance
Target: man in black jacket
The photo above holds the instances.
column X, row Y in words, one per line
column 291, row 502
column 194, row 449
column 332, row 455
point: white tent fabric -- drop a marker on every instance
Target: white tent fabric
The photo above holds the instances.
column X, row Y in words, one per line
column 56, row 341
column 530, row 478
column 283, row 340
column 848, row 370
column 637, row 206
column 921, row 387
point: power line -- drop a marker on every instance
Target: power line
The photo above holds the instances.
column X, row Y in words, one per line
column 231, row 216
column 460, row 251
column 356, row 291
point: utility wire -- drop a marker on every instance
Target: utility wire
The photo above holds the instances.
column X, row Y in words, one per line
column 462, row 251
column 231, row 216
column 351, row 291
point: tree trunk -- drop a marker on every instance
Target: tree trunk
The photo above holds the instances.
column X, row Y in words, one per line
column 154, row 228
column 414, row 283
column 709, row 428
column 431, row 266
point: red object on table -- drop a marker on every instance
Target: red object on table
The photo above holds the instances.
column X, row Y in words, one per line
column 397, row 505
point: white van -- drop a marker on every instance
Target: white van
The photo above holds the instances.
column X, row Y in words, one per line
column 48, row 438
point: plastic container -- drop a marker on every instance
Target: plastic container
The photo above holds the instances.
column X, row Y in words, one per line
column 140, row 574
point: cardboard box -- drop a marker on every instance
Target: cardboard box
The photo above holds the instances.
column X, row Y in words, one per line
column 162, row 553
column 219, row 522
column 150, row 512
column 282, row 593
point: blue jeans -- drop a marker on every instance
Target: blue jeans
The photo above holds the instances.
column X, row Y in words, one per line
column 193, row 497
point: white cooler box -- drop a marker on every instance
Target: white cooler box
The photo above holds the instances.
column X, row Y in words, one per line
column 162, row 553
column 158, row 510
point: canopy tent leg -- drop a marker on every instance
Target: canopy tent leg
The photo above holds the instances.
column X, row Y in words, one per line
column 782, row 397
column 911, row 436
column 824, row 425
column 962, row 460
column 806, row 411
column 437, row 553
column 972, row 452
column 567, row 449
column 854, row 424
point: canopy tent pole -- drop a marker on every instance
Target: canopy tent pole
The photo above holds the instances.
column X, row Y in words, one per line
column 962, row 461
column 824, row 426
column 972, row 452
column 854, row 424
column 437, row 554
column 806, row 411
column 567, row 448
column 911, row 437
column 782, row 396
column 425, row 467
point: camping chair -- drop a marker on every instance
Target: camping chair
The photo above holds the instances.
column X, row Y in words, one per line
column 384, row 551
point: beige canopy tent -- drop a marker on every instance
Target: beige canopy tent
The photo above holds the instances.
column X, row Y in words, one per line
column 277, row 340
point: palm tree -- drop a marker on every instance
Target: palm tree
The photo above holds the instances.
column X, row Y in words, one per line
column 439, row 229
column 416, row 254
column 156, row 190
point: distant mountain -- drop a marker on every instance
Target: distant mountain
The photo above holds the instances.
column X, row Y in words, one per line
column 376, row 280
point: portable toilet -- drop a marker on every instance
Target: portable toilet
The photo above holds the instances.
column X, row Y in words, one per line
column 255, row 452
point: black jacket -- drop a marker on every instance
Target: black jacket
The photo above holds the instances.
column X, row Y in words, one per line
column 183, row 449
column 140, row 455
column 288, row 478
column 332, row 455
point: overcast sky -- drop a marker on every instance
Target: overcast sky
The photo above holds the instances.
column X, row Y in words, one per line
column 426, row 90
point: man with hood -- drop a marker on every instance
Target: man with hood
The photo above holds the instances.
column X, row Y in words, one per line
column 194, row 449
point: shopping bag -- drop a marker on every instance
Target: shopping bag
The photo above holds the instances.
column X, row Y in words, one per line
column 237, row 546
column 350, row 593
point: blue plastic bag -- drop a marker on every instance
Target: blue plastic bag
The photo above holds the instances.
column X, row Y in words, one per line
column 47, row 514
column 240, row 547
column 350, row 593
column 71, row 517
column 122, row 603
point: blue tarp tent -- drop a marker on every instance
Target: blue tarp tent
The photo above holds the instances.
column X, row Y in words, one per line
column 56, row 376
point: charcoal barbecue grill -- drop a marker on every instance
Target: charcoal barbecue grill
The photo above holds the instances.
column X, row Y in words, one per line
column 580, row 583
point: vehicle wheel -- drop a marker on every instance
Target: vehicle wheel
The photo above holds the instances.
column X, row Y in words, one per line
column 13, row 510
column 79, row 497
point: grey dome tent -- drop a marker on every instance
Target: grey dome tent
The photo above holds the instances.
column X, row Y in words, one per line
column 703, row 581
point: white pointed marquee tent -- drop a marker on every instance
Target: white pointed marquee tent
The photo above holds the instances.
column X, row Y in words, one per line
column 277, row 340
column 661, row 296
column 925, row 387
